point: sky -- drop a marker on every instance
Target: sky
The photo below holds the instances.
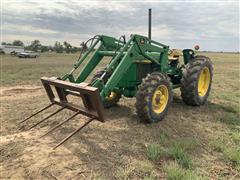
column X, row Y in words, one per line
column 213, row 25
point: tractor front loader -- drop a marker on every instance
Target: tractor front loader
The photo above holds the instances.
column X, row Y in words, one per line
column 141, row 68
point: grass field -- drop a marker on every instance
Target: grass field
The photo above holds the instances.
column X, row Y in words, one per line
column 190, row 143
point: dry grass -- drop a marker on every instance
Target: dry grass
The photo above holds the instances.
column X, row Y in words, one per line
column 121, row 147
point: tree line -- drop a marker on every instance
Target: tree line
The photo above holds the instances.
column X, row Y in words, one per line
column 58, row 47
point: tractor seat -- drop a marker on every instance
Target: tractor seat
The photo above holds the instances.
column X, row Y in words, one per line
column 172, row 58
column 174, row 54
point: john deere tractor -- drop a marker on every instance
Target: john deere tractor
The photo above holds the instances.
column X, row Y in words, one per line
column 147, row 70
column 139, row 67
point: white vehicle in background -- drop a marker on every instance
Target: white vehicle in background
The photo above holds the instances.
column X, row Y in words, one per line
column 28, row 54
column 8, row 49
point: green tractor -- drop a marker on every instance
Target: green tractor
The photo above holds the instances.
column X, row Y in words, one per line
column 141, row 68
column 147, row 70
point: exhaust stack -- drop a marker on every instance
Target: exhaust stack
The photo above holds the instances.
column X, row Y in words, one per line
column 149, row 23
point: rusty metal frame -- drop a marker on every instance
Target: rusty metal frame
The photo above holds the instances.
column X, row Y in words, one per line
column 90, row 96
column 93, row 107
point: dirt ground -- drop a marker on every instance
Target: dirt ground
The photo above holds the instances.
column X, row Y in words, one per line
column 115, row 149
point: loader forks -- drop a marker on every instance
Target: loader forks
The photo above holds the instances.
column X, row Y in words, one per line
column 93, row 108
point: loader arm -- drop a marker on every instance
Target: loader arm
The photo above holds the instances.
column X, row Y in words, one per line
column 105, row 43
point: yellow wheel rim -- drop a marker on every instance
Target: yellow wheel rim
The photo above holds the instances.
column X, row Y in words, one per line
column 160, row 99
column 203, row 82
column 111, row 96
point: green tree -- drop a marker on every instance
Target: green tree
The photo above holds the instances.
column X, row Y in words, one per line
column 5, row 43
column 58, row 47
column 17, row 43
column 44, row 48
column 35, row 45
column 68, row 47
column 74, row 49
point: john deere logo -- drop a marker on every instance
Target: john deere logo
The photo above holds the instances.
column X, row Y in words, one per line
column 142, row 41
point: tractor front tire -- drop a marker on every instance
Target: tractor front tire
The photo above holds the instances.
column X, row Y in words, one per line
column 113, row 98
column 153, row 97
column 196, row 81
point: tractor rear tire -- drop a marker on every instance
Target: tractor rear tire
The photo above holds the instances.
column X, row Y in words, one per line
column 153, row 97
column 196, row 81
column 113, row 97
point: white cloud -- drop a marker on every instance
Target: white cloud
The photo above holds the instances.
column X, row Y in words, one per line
column 174, row 23
column 26, row 29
